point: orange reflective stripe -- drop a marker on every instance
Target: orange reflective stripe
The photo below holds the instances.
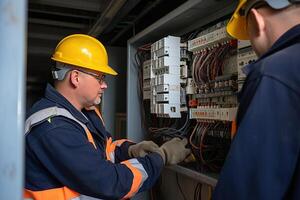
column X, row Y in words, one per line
column 120, row 142
column 63, row 193
column 110, row 148
column 136, row 182
column 90, row 137
column 233, row 128
column 98, row 113
column 96, row 109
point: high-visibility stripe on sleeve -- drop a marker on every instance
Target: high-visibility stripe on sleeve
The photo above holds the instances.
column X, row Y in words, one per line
column 110, row 150
column 47, row 113
column 90, row 137
column 96, row 109
column 111, row 147
column 233, row 128
column 139, row 176
column 63, row 193
column 120, row 142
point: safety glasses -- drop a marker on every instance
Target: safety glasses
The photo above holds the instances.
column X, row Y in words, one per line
column 99, row 78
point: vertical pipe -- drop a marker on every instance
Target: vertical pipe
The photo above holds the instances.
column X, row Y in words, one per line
column 12, row 90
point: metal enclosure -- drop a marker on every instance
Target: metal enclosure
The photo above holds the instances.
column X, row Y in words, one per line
column 189, row 16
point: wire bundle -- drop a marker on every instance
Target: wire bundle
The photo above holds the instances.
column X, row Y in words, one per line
column 209, row 63
column 143, row 53
column 171, row 130
column 210, row 153
column 197, row 191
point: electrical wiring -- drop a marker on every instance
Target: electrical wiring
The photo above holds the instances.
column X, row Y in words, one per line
column 201, row 55
column 209, row 153
column 206, row 55
column 194, row 60
column 201, row 74
column 205, row 66
column 197, row 191
column 208, row 63
column 179, row 187
column 168, row 131
column 138, row 69
column 215, row 64
column 205, row 137
column 192, row 135
column 171, row 131
column 185, row 123
column 146, row 47
column 140, row 57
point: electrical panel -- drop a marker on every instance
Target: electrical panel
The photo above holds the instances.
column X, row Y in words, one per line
column 165, row 84
column 214, row 72
column 190, row 89
column 245, row 56
column 209, row 75
column 147, row 76
column 213, row 36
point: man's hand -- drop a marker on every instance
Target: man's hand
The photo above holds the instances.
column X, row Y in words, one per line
column 142, row 149
column 174, row 151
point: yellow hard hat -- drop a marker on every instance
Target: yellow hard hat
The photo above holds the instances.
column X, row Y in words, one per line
column 83, row 51
column 236, row 27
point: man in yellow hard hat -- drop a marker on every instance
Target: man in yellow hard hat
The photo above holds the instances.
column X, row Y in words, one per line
column 264, row 160
column 69, row 154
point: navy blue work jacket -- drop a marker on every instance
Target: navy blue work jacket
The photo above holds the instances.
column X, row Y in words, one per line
column 264, row 160
column 58, row 154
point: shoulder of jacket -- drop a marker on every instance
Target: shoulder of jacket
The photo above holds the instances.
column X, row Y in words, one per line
column 52, row 118
column 283, row 66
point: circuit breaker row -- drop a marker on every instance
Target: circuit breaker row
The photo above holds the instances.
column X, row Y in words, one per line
column 175, row 84
column 165, row 83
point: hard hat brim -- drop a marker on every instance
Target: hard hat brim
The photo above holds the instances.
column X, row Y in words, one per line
column 236, row 27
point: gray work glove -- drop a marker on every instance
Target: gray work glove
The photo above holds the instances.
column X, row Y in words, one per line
column 174, row 151
column 142, row 149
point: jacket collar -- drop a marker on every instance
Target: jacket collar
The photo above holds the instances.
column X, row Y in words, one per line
column 288, row 38
column 53, row 95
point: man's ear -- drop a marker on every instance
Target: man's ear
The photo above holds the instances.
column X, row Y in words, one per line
column 256, row 23
column 74, row 78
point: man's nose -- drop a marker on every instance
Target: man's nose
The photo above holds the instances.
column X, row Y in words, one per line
column 103, row 85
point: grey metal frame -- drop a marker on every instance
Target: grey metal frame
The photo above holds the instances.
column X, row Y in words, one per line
column 12, row 71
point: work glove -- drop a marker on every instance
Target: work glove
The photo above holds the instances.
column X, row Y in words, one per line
column 174, row 151
column 142, row 149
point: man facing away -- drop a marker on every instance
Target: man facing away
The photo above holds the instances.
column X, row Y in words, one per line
column 264, row 160
column 69, row 154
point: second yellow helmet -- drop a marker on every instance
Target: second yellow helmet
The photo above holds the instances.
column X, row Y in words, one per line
column 237, row 27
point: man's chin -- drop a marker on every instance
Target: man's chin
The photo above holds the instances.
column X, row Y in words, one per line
column 97, row 101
